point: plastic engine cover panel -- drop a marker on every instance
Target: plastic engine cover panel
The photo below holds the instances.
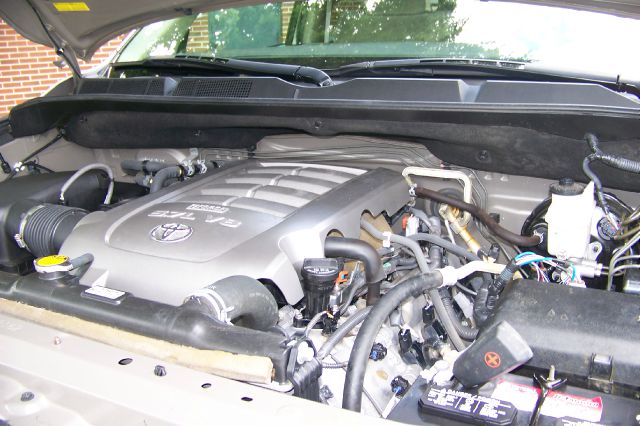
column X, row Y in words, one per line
column 259, row 219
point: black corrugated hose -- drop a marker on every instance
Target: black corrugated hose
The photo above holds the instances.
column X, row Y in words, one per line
column 610, row 160
column 487, row 296
column 354, row 380
column 467, row 333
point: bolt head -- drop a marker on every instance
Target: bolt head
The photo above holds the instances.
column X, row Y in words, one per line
column 160, row 371
column 27, row 396
column 57, row 340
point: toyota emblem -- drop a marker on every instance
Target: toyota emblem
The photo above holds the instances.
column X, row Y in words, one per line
column 171, row 233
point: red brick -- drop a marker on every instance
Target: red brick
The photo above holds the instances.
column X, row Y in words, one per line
column 27, row 70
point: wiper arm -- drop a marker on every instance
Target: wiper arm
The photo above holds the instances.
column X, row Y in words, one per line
column 294, row 72
column 431, row 66
column 454, row 67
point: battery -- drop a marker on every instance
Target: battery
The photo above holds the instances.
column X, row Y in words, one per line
column 467, row 407
column 569, row 406
column 592, row 337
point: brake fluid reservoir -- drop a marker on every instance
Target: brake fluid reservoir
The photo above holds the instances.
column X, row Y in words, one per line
column 569, row 218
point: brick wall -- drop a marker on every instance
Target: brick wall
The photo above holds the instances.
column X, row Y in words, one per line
column 198, row 41
column 27, row 70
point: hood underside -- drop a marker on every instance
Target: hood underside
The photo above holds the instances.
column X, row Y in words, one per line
column 85, row 25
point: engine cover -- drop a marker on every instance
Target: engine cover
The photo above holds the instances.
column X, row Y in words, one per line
column 259, row 219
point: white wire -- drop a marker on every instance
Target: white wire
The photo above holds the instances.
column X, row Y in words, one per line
column 85, row 169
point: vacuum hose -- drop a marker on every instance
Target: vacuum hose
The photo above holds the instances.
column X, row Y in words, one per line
column 482, row 216
column 132, row 167
column 434, row 295
column 163, row 175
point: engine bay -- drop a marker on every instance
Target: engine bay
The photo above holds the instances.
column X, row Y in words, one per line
column 357, row 272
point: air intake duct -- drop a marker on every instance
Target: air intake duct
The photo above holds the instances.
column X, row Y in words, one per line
column 41, row 228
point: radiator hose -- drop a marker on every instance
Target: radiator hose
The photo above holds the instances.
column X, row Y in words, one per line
column 182, row 325
column 237, row 299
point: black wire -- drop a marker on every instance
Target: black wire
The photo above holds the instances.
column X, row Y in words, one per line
column 37, row 166
column 586, row 168
column 6, row 167
column 36, row 152
column 611, row 160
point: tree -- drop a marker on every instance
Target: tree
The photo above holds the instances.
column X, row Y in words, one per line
column 246, row 27
column 392, row 21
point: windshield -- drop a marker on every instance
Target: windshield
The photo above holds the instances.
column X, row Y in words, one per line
column 331, row 33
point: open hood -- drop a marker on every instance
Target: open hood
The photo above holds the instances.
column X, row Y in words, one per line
column 82, row 26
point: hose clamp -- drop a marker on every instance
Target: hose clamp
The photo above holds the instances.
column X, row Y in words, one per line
column 386, row 242
column 412, row 190
column 449, row 276
column 213, row 300
column 19, row 237
column 539, row 235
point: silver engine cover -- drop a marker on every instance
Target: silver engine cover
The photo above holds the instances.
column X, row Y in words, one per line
column 259, row 219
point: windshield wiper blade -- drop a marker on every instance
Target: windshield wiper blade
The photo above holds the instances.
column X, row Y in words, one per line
column 427, row 66
column 293, row 72
column 462, row 67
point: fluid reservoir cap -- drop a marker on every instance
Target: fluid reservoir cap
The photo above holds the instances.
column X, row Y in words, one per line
column 53, row 263
column 567, row 187
column 320, row 269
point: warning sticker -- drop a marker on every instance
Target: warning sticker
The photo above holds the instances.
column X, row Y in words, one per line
column 523, row 397
column 560, row 405
column 465, row 406
column 492, row 359
column 107, row 293
column 557, row 404
column 76, row 6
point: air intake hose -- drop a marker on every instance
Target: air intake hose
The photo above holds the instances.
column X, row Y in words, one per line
column 41, row 228
column 237, row 299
